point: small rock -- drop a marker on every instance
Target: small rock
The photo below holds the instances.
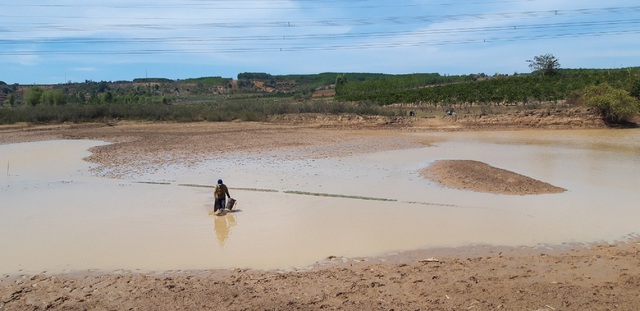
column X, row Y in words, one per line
column 431, row 259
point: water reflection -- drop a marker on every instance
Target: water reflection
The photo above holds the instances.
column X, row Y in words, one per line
column 223, row 224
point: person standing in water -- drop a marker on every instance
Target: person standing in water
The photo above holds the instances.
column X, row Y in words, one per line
column 220, row 194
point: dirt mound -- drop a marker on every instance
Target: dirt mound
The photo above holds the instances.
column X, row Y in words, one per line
column 482, row 177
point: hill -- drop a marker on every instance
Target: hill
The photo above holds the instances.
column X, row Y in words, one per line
column 256, row 96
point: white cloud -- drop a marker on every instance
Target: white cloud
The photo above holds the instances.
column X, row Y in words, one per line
column 119, row 37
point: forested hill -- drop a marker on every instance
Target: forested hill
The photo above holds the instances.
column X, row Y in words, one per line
column 380, row 88
column 191, row 90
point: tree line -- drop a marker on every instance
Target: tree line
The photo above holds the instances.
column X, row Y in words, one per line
column 476, row 90
column 219, row 99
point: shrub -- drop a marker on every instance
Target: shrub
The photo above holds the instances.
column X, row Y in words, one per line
column 33, row 96
column 615, row 105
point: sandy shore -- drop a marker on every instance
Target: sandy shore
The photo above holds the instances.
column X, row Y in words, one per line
column 563, row 277
column 598, row 277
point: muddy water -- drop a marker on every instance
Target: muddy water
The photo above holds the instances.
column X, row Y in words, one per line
column 294, row 210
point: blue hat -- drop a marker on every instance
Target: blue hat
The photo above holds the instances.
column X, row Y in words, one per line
column 219, row 181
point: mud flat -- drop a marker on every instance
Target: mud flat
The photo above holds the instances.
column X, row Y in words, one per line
column 557, row 270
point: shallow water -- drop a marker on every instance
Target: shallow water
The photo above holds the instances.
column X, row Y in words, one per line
column 56, row 217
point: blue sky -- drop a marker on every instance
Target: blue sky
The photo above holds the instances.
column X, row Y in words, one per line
column 46, row 42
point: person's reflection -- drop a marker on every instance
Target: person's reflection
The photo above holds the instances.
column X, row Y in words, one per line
column 223, row 224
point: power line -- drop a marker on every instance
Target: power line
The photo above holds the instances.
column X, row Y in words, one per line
column 359, row 46
column 279, row 23
column 264, row 4
column 70, row 38
column 377, row 34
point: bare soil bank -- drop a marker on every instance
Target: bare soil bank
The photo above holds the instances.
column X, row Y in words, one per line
column 599, row 277
column 583, row 277
column 481, row 177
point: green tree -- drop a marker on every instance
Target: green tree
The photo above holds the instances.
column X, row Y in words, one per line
column 33, row 95
column 341, row 80
column 635, row 89
column 53, row 98
column 107, row 97
column 615, row 105
column 546, row 63
column 12, row 99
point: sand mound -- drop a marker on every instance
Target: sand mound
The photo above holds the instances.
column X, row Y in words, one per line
column 481, row 177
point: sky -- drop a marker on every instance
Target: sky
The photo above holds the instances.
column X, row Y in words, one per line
column 52, row 42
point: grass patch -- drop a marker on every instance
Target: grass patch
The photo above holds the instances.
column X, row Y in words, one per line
column 216, row 110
